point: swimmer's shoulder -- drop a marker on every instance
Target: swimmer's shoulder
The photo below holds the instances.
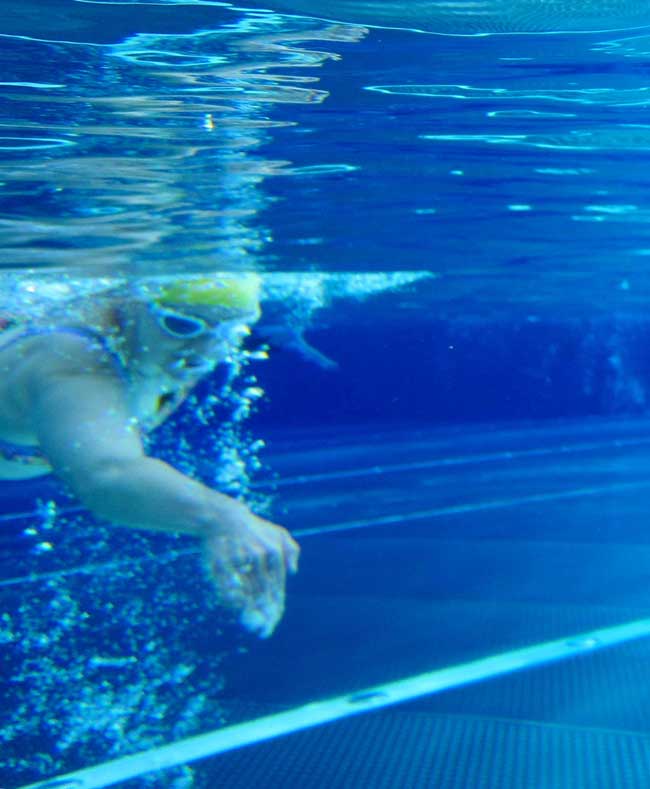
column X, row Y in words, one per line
column 34, row 361
column 53, row 347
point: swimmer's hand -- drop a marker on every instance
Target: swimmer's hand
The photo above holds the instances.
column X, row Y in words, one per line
column 249, row 558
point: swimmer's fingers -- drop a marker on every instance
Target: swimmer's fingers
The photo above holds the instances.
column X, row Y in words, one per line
column 230, row 587
column 286, row 544
column 250, row 581
column 291, row 553
column 249, row 558
column 266, row 587
column 259, row 614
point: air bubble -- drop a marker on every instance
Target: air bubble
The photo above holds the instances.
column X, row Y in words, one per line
column 43, row 547
column 253, row 392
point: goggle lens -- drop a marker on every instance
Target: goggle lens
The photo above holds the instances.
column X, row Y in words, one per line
column 182, row 326
column 177, row 324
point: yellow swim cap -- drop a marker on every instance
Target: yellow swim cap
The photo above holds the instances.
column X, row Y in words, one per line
column 234, row 293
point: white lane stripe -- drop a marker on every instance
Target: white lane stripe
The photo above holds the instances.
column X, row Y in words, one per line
column 482, row 506
column 451, row 462
column 89, row 569
column 404, row 517
column 396, row 468
column 320, row 712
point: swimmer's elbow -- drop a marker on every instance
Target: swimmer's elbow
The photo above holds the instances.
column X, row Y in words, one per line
column 105, row 486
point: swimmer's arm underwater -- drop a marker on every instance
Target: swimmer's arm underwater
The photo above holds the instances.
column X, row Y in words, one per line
column 76, row 404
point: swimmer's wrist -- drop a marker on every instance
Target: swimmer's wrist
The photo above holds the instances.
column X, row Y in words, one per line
column 218, row 515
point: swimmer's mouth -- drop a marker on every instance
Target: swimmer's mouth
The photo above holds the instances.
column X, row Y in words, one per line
column 191, row 366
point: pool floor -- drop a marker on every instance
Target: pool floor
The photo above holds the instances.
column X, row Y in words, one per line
column 425, row 550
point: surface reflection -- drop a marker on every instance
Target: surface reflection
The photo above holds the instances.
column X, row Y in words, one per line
column 143, row 156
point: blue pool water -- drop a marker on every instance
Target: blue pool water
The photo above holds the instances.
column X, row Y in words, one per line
column 447, row 205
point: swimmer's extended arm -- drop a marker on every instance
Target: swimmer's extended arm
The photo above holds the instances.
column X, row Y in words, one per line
column 77, row 404
column 79, row 414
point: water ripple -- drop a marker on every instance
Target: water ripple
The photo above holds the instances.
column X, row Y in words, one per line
column 471, row 17
column 142, row 155
column 605, row 96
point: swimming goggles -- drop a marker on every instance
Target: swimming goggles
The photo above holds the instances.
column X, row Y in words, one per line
column 178, row 324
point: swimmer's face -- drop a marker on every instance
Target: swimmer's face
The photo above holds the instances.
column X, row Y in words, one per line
column 189, row 342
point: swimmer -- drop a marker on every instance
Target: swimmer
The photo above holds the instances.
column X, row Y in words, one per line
column 79, row 390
